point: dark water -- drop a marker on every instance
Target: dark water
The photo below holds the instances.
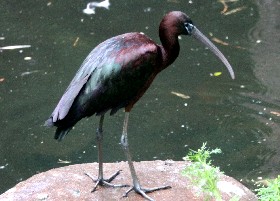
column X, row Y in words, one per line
column 239, row 116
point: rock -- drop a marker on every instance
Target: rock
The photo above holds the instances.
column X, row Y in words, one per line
column 70, row 183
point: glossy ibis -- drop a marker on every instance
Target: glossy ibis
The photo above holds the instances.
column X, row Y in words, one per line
column 115, row 75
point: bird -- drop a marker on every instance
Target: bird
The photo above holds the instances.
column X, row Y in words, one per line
column 115, row 75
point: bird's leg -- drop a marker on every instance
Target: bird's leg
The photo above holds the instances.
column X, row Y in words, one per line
column 136, row 184
column 100, row 180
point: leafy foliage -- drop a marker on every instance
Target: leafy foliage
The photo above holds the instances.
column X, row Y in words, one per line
column 201, row 173
column 271, row 192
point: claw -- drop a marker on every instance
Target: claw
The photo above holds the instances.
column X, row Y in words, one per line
column 143, row 191
column 106, row 182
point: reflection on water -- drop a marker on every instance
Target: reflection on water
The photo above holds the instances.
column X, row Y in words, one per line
column 265, row 54
column 239, row 116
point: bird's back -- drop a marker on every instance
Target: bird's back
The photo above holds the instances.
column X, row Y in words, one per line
column 114, row 75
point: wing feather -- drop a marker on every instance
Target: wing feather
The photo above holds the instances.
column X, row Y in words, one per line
column 105, row 56
column 67, row 99
column 94, row 60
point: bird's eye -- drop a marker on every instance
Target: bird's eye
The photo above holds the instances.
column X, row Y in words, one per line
column 189, row 27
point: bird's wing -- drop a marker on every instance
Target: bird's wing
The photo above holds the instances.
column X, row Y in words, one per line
column 97, row 57
column 68, row 98
column 105, row 56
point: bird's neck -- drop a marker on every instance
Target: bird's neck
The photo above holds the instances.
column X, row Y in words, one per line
column 170, row 46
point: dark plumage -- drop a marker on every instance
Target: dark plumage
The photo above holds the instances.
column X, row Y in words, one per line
column 116, row 74
column 108, row 80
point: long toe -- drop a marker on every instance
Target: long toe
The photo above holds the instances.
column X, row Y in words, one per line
column 106, row 182
column 113, row 176
column 144, row 191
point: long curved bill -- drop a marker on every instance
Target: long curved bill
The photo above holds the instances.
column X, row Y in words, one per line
column 203, row 39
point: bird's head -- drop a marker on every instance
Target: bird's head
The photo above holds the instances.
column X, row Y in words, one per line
column 182, row 24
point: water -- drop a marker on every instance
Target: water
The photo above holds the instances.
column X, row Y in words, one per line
column 239, row 116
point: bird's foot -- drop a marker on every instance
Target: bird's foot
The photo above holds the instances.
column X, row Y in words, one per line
column 143, row 191
column 106, row 182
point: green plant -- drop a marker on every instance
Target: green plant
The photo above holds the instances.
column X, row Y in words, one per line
column 271, row 192
column 201, row 173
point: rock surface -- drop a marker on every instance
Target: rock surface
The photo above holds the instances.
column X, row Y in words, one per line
column 70, row 183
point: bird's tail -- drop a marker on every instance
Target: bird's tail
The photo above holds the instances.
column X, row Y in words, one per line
column 61, row 132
